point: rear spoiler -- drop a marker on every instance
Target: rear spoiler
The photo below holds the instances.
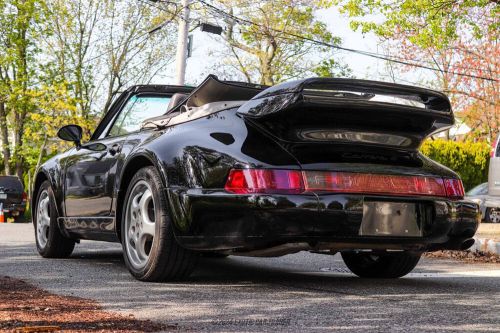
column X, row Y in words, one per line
column 350, row 111
column 337, row 92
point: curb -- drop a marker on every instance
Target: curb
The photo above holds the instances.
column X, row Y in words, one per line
column 486, row 245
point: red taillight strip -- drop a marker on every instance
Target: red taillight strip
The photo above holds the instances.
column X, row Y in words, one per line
column 454, row 188
column 248, row 181
column 346, row 182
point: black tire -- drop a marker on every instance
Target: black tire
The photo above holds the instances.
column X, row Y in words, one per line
column 383, row 266
column 167, row 260
column 487, row 215
column 57, row 245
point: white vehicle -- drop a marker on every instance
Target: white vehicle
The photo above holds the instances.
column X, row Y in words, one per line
column 494, row 172
column 489, row 205
column 492, row 209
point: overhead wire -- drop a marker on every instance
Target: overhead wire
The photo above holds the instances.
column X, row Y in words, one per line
column 293, row 36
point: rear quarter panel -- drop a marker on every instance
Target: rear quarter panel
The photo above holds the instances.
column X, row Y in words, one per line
column 200, row 153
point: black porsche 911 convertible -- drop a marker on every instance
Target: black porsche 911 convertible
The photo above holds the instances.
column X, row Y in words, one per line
column 228, row 168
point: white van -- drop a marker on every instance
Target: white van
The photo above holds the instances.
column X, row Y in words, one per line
column 492, row 209
column 494, row 172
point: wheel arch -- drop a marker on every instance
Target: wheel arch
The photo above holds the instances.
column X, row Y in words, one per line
column 41, row 177
column 133, row 164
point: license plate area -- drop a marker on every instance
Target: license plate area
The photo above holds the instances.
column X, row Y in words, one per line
column 390, row 219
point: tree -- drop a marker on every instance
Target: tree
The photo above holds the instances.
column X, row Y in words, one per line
column 262, row 45
column 460, row 39
column 426, row 23
column 132, row 54
column 478, row 100
column 100, row 47
column 18, row 50
column 64, row 61
column 55, row 108
column 74, row 30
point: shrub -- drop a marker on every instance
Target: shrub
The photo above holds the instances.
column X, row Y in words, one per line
column 469, row 159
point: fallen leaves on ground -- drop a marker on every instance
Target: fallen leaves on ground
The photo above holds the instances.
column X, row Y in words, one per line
column 466, row 256
column 24, row 305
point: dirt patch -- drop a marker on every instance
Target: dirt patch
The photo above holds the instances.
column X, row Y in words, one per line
column 465, row 256
column 24, row 305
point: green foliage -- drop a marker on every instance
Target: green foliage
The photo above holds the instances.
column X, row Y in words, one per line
column 469, row 159
column 52, row 53
column 331, row 68
column 266, row 50
column 427, row 23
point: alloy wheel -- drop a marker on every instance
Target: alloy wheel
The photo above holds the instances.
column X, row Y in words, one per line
column 494, row 215
column 43, row 219
column 140, row 226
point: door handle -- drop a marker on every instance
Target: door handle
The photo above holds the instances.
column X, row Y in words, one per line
column 115, row 149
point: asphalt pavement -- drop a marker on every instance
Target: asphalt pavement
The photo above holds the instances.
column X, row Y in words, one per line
column 303, row 292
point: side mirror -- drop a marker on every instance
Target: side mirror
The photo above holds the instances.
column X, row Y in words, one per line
column 71, row 133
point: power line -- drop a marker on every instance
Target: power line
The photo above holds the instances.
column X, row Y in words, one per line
column 360, row 52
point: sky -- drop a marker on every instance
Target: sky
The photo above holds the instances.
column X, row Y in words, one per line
column 363, row 67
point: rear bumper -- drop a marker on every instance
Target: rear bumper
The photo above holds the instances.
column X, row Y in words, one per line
column 216, row 220
column 14, row 209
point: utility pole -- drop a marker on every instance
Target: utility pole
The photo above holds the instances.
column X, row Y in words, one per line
column 182, row 44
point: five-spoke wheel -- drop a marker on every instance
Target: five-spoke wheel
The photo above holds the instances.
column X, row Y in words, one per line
column 50, row 242
column 140, row 224
column 150, row 249
column 43, row 218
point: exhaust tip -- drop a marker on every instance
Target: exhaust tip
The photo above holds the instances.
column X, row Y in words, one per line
column 467, row 244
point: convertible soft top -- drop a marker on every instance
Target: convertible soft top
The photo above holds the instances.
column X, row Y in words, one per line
column 211, row 96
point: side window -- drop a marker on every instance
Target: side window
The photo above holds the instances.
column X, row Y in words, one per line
column 138, row 109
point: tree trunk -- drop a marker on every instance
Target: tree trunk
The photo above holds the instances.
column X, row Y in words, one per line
column 4, row 133
column 41, row 153
column 18, row 146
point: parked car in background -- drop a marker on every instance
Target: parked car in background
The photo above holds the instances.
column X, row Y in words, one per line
column 488, row 204
column 12, row 197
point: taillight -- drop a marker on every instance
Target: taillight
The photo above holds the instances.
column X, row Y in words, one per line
column 454, row 188
column 25, row 196
column 346, row 182
column 247, row 181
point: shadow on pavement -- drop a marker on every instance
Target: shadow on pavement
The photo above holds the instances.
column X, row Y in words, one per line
column 290, row 293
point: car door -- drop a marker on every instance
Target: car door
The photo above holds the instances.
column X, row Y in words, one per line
column 90, row 172
column 494, row 171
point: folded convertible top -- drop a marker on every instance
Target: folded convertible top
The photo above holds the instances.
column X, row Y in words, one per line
column 214, row 90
